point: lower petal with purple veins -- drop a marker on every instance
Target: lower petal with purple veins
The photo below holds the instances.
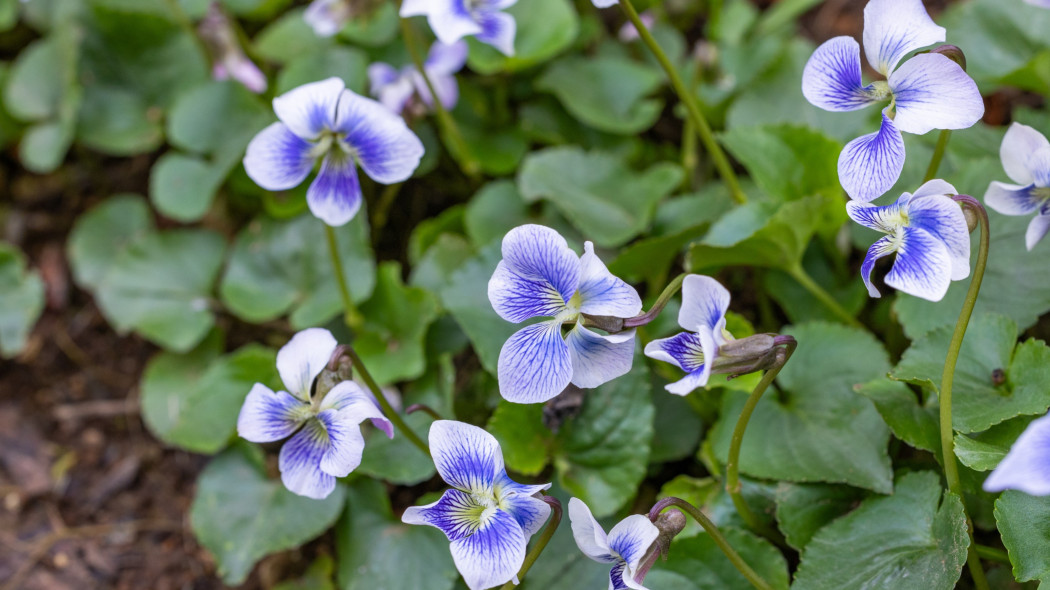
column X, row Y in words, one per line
column 300, row 462
column 534, row 364
column 334, row 196
column 278, row 159
column 597, row 359
column 871, row 164
column 345, row 443
column 883, row 247
column 498, row 30
column 517, row 297
column 923, row 267
column 268, row 416
column 683, row 350
column 456, row 514
column 492, row 555
column 944, row 219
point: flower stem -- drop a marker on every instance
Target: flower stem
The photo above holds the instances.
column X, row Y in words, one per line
column 938, row 155
column 661, row 302
column 452, row 133
column 388, row 410
column 992, row 553
column 725, row 169
column 351, row 316
column 716, row 536
column 951, row 468
column 799, row 274
column 425, row 409
column 733, row 463
column 541, row 542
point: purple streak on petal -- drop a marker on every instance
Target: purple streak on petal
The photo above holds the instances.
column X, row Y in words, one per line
column 493, row 555
column 832, row 79
column 944, row 219
column 311, row 108
column 883, row 247
column 269, row 416
column 598, row 359
column 1013, row 199
column 334, row 196
column 467, row 457
column 278, row 159
column 1027, row 466
column 880, row 218
column 457, row 514
column 300, row 462
column 704, row 303
column 1037, row 229
column 932, row 92
column 345, row 443
column 517, row 298
column 1020, row 144
column 530, row 512
column 534, row 364
column 895, row 28
column 923, row 266
column 498, row 30
column 616, row 576
column 870, row 165
column 601, row 292
column 539, row 253
column 385, row 147
column 683, row 350
column 631, row 538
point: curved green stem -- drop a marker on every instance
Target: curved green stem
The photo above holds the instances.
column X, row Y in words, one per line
column 938, row 155
column 541, row 542
column 661, row 302
column 388, row 410
column 951, row 468
column 733, row 463
column 350, row 314
column 716, row 535
column 725, row 169
column 992, row 553
column 799, row 274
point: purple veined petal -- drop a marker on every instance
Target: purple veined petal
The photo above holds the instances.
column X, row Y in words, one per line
column 354, row 403
column 699, row 376
column 498, row 30
column 311, row 108
column 882, row 247
column 895, row 28
column 871, row 164
column 1012, row 199
column 493, row 555
column 944, row 219
column 540, row 253
column 886, row 218
column 683, row 350
column 832, row 79
column 589, row 535
column 530, row 512
column 334, row 196
column 618, row 576
column 534, row 364
column 268, row 416
column 327, row 17
column 303, row 358
column 300, row 462
column 631, row 538
column 1037, row 229
column 932, row 92
column 1020, row 143
column 467, row 457
column 379, row 139
column 597, row 358
column 923, row 267
column 446, row 59
column 1039, row 164
column 601, row 292
column 277, row 159
column 345, row 443
column 1027, row 466
column 449, row 19
column 517, row 298
column 704, row 303
column 456, row 513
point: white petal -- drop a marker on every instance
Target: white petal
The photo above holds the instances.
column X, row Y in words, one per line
column 590, row 537
column 300, row 462
column 884, row 218
column 277, row 159
column 539, row 253
column 704, row 303
column 1012, row 199
column 467, row 457
column 871, row 164
column 631, row 538
column 385, row 147
column 895, row 28
column 933, row 92
column 334, row 196
column 832, row 79
column 325, row 17
column 498, row 30
column 1037, row 229
column 602, row 293
column 923, row 267
column 935, row 187
column 446, row 59
column 883, row 247
column 1020, row 143
column 311, row 108
column 449, row 19
column 267, row 416
column 304, row 357
column 534, row 364
column 354, row 403
column 684, row 350
column 530, row 512
column 596, row 358
column 517, row 297
column 1027, row 466
column 493, row 555
column 943, row 218
column 345, row 443
column 699, row 376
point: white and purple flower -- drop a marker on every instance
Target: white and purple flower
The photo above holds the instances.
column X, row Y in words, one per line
column 540, row 276
column 628, row 32
column 451, row 20
column 324, row 120
column 228, row 57
column 395, row 89
column 929, row 91
column 703, row 312
column 327, row 17
column 1026, row 157
column 1027, row 466
column 624, row 547
column 928, row 232
column 327, row 441
column 487, row 517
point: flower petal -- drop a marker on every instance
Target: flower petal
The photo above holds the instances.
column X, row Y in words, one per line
column 517, row 298
column 1012, row 199
column 530, row 512
column 597, row 358
column 1027, row 466
column 923, row 267
column 935, row 187
column 631, row 538
column 590, row 537
column 895, row 28
column 607, row 4
column 446, row 86
column 498, row 30
column 493, row 555
column 1020, row 144
column 932, row 92
column 277, row 159
column 704, row 303
column 944, row 219
column 304, row 357
column 388, row 86
column 540, row 253
column 446, row 59
column 886, row 218
column 684, row 350
column 334, row 196
column 534, row 364
column 832, row 79
column 882, row 247
column 1036, row 230
column 457, row 514
column 311, row 108
column 385, row 147
column 355, row 403
column 699, row 376
column 467, row 457
column 602, row 293
column 322, row 16
column 300, row 462
column 871, row 164
column 345, row 443
column 267, row 416
column 449, row 19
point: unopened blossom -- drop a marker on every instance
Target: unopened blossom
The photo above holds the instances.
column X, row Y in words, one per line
column 452, row 20
column 228, row 57
column 540, row 276
column 327, row 17
column 703, row 313
column 487, row 517
column 928, row 232
column 326, row 440
column 928, row 91
column 624, row 546
column 396, row 88
column 1026, row 157
column 1027, row 466
column 325, row 121
column 628, row 32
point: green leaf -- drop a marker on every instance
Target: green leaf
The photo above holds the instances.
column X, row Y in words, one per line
column 37, row 81
column 288, row 38
column 241, row 516
column 493, row 211
column 680, row 427
column 280, row 267
column 373, row 546
column 525, row 441
column 160, row 286
column 116, row 121
column 1005, row 44
column 183, row 187
column 44, row 146
column 99, row 235
column 914, row 423
column 317, row 577
column 818, row 429
column 217, row 118
column 699, row 560
column 21, row 300
column 787, row 161
column 347, row 63
column 601, row 455
column 977, row 402
column 607, row 201
column 375, row 29
column 606, row 92
column 803, row 509
column 1022, row 519
column 983, row 451
column 914, row 539
column 545, row 28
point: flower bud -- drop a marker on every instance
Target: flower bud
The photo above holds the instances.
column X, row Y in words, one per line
column 746, row 355
column 971, row 218
column 669, row 524
column 953, row 53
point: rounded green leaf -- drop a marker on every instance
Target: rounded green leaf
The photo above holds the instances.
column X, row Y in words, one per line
column 21, row 300
column 1022, row 519
column 99, row 235
column 182, row 187
column 699, row 560
column 344, row 62
column 606, row 92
